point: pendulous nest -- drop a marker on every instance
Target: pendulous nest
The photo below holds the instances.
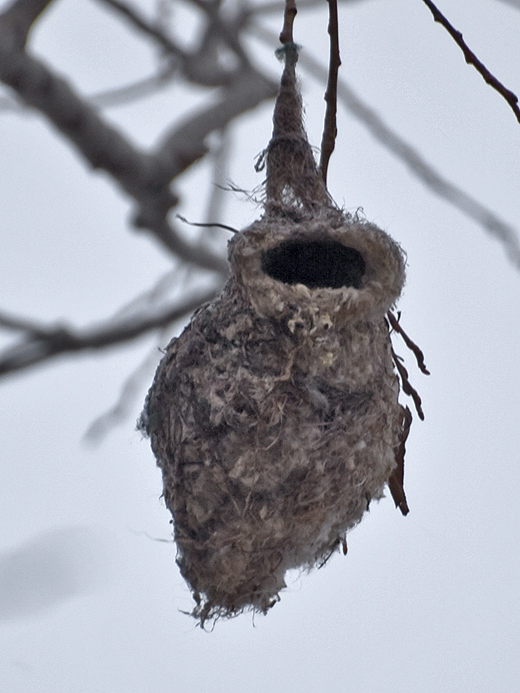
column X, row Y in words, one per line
column 274, row 417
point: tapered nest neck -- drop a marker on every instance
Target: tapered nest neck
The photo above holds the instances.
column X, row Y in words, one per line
column 293, row 181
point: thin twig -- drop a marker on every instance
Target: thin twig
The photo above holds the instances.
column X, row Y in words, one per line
column 408, row 388
column 286, row 35
column 145, row 177
column 471, row 59
column 419, row 166
column 184, row 144
column 330, row 128
column 198, row 66
column 141, row 89
column 207, row 224
column 417, row 351
column 226, row 30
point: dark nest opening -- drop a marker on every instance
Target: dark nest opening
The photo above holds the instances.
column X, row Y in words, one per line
column 319, row 264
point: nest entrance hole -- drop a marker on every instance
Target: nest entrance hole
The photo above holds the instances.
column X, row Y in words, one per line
column 325, row 264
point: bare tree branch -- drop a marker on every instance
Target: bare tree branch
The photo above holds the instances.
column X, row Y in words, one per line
column 41, row 342
column 286, row 34
column 200, row 65
column 330, row 129
column 140, row 175
column 471, row 59
column 133, row 16
column 185, row 143
column 143, row 176
column 100, row 144
column 421, row 169
column 146, row 178
column 430, row 177
column 19, row 18
column 17, row 324
column 227, row 31
column 135, row 91
column 117, row 96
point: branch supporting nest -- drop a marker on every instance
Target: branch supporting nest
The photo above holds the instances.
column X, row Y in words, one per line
column 286, row 35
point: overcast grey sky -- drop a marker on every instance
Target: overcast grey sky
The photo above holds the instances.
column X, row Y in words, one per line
column 425, row 603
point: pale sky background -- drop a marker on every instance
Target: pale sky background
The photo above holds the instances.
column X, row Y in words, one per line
column 89, row 601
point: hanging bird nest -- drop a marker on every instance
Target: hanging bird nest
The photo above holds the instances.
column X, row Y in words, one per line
column 274, row 417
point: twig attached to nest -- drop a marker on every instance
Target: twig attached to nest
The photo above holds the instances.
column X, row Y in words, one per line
column 286, row 35
column 408, row 388
column 396, row 479
column 396, row 326
column 330, row 128
column 471, row 59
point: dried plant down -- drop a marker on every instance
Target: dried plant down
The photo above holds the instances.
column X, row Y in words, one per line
column 274, row 416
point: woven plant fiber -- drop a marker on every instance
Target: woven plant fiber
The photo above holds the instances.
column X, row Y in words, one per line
column 274, row 417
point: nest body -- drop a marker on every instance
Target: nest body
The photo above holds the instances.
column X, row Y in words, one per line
column 274, row 416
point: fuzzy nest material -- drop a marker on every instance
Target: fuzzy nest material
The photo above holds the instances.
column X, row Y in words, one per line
column 274, row 417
